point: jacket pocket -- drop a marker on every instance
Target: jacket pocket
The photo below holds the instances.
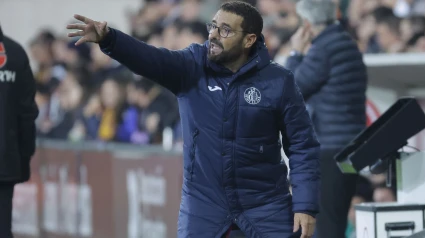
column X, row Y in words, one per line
column 251, row 151
column 277, row 171
column 193, row 152
column 263, row 159
column 270, row 152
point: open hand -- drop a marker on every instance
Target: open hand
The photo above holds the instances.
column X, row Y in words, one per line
column 307, row 224
column 301, row 39
column 90, row 31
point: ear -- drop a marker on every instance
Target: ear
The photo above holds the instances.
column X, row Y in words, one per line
column 250, row 40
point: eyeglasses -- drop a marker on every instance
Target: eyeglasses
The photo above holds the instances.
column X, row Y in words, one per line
column 223, row 31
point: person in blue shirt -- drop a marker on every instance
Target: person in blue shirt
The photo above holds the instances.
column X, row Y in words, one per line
column 234, row 104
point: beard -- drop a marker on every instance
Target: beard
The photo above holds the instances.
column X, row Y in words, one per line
column 222, row 56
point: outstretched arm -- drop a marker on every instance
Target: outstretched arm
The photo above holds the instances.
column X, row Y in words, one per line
column 171, row 69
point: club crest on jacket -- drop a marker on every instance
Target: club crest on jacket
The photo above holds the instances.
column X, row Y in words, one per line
column 252, row 95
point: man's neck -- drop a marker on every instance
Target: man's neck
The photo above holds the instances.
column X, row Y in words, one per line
column 237, row 64
column 316, row 30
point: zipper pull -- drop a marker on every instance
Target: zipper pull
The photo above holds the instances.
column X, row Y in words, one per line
column 261, row 148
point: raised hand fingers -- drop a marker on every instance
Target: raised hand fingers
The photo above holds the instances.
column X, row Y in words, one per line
column 81, row 41
column 296, row 225
column 304, row 229
column 83, row 18
column 76, row 33
column 311, row 229
column 76, row 26
column 307, row 230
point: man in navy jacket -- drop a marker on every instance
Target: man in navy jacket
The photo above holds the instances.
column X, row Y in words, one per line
column 332, row 78
column 234, row 101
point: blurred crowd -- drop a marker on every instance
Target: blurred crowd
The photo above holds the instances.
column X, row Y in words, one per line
column 84, row 95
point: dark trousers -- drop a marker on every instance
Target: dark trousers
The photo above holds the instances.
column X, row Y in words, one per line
column 337, row 189
column 6, row 195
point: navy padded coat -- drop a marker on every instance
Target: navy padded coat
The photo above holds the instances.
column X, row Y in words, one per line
column 333, row 78
column 233, row 169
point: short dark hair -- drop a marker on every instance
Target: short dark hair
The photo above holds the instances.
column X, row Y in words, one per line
column 382, row 14
column 414, row 39
column 392, row 22
column 252, row 19
column 364, row 189
column 144, row 84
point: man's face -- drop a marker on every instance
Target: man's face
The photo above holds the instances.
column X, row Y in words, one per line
column 386, row 38
column 226, row 49
column 383, row 195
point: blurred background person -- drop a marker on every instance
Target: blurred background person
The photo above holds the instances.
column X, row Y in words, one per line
column 383, row 193
column 388, row 33
column 159, row 110
column 103, row 114
column 69, row 97
column 130, row 116
column 364, row 193
column 332, row 78
column 150, row 109
column 18, row 112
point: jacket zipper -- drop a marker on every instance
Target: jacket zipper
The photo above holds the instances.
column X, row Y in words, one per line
column 233, row 80
column 192, row 153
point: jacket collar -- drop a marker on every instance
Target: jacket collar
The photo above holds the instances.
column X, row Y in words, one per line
column 336, row 27
column 259, row 59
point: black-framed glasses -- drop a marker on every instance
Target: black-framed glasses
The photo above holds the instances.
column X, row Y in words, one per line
column 223, row 31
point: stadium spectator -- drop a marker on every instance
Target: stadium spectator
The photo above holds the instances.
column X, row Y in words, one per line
column 103, row 67
column 158, row 110
column 66, row 109
column 191, row 32
column 130, row 117
column 389, row 35
column 384, row 194
column 103, row 123
column 364, row 193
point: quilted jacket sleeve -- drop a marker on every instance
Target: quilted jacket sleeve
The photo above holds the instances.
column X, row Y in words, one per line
column 311, row 71
column 169, row 68
column 302, row 148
